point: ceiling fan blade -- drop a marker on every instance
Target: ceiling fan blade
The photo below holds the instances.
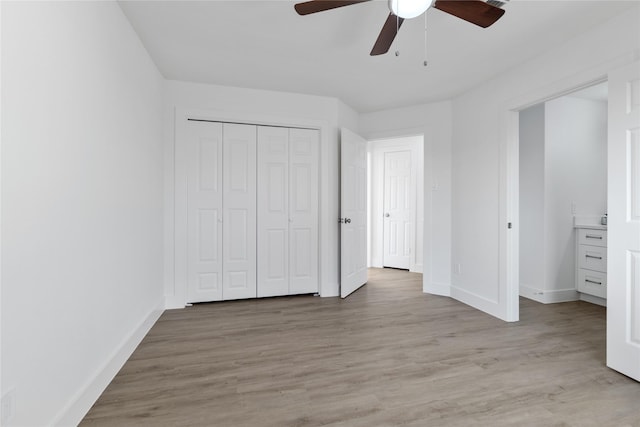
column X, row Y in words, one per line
column 315, row 6
column 387, row 34
column 474, row 11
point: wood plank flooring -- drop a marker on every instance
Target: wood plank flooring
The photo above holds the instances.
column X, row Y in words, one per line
column 389, row 355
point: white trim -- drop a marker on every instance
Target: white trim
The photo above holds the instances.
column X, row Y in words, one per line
column 442, row 289
column 479, row 302
column 80, row 404
column 325, row 251
column 593, row 299
column 548, row 297
column 427, row 268
column 330, row 293
column 509, row 170
column 2, row 415
column 395, row 133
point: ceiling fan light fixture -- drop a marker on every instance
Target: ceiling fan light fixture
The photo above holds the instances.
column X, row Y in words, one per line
column 408, row 9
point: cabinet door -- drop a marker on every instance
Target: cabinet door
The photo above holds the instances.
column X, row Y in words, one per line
column 204, row 210
column 239, row 219
column 303, row 211
column 273, row 211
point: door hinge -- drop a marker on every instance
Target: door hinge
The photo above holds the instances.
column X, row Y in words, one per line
column 509, row 225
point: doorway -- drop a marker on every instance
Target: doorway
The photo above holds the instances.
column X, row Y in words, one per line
column 563, row 195
column 395, row 203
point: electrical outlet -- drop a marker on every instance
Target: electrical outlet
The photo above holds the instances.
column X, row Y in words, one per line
column 7, row 407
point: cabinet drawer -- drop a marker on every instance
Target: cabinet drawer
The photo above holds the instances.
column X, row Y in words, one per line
column 592, row 237
column 592, row 258
column 592, row 283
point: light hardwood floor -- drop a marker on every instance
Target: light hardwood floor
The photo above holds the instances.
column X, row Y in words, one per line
column 389, row 355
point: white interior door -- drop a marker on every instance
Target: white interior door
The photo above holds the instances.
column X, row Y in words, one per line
column 303, row 211
column 398, row 210
column 239, row 218
column 353, row 212
column 623, row 262
column 273, row 209
column 204, row 211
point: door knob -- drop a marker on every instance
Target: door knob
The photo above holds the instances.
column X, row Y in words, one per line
column 347, row 220
column 387, row 215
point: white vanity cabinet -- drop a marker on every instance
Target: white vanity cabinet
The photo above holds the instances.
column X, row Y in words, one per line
column 591, row 261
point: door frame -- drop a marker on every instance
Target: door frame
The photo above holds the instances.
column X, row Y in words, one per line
column 509, row 288
column 175, row 251
column 378, row 148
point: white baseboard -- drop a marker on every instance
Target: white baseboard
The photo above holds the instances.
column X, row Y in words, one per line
column 442, row 289
column 416, row 268
column 593, row 299
column 79, row 405
column 330, row 295
column 171, row 303
column 548, row 297
column 478, row 301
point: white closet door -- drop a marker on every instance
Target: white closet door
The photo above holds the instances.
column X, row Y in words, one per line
column 204, row 209
column 398, row 210
column 303, row 211
column 239, row 219
column 273, row 211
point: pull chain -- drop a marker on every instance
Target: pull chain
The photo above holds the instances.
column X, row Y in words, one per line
column 398, row 27
column 425, row 38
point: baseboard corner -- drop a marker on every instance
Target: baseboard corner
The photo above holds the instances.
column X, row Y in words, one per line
column 434, row 288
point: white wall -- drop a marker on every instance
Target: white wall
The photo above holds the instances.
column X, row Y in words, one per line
column 434, row 122
column 81, row 203
column 575, row 173
column 532, row 205
column 259, row 106
column 481, row 135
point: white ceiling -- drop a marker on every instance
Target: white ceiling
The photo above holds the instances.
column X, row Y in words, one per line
column 266, row 45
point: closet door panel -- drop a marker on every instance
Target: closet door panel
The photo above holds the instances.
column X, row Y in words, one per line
column 239, row 218
column 204, row 209
column 273, row 211
column 303, row 211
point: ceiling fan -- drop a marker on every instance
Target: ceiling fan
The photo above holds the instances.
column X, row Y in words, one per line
column 477, row 12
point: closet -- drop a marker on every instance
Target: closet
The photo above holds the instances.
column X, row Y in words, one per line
column 252, row 211
column 287, row 211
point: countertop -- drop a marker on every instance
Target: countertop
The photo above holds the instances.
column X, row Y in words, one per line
column 590, row 222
